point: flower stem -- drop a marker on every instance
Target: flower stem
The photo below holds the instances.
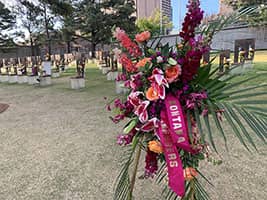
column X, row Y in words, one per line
column 136, row 162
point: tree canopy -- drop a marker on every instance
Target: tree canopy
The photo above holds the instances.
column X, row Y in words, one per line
column 258, row 17
column 28, row 15
column 152, row 23
column 95, row 19
column 7, row 22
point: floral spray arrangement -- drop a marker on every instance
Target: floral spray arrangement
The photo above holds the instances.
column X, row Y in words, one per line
column 172, row 101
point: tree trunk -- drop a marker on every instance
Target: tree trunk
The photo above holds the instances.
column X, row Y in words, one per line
column 47, row 33
column 69, row 46
column 93, row 50
column 32, row 49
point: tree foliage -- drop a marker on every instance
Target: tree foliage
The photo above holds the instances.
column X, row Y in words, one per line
column 28, row 15
column 95, row 19
column 152, row 23
column 7, row 22
column 258, row 17
column 49, row 13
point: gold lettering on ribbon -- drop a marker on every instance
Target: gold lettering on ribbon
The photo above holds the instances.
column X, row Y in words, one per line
column 172, row 156
column 169, row 146
column 172, row 103
column 173, row 164
column 181, row 139
column 179, row 132
column 177, row 125
column 175, row 113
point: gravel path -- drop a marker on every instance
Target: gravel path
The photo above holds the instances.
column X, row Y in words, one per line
column 58, row 144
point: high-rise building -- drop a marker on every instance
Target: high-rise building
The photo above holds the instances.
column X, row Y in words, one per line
column 145, row 8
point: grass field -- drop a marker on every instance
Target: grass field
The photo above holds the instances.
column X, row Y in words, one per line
column 59, row 144
column 260, row 57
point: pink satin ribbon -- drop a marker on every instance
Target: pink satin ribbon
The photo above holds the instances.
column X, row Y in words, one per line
column 173, row 133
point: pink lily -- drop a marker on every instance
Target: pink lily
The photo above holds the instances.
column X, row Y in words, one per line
column 134, row 99
column 141, row 111
column 158, row 77
column 150, row 125
column 160, row 89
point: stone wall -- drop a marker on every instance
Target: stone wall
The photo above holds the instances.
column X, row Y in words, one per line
column 15, row 52
column 225, row 39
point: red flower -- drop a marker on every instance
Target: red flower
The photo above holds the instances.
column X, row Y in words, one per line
column 127, row 43
column 127, row 63
column 142, row 37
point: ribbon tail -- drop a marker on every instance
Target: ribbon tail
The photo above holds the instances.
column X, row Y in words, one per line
column 174, row 163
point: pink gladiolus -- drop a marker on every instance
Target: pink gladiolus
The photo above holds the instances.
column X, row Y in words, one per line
column 127, row 43
column 119, row 33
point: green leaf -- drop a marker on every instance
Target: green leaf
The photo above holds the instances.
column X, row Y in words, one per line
column 241, row 96
column 217, row 122
column 203, row 73
column 247, row 102
column 206, row 119
column 165, row 50
column 231, row 123
column 252, row 125
column 240, row 124
column 130, row 126
column 122, row 183
column 189, row 125
column 171, row 61
column 221, row 90
column 196, row 113
column 244, row 90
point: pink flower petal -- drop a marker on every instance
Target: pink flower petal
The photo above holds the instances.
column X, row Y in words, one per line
column 159, row 78
column 161, row 92
column 150, row 125
column 141, row 111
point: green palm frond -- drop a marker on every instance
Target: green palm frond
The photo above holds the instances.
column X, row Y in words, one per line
column 161, row 174
column 210, row 134
column 212, row 110
column 197, row 118
column 123, row 183
column 222, row 21
column 193, row 190
column 238, row 108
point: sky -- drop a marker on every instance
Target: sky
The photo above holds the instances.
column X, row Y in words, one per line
column 209, row 7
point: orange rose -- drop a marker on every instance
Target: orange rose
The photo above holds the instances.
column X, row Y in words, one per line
column 190, row 173
column 141, row 37
column 143, row 62
column 152, row 94
column 172, row 73
column 180, row 46
column 155, row 146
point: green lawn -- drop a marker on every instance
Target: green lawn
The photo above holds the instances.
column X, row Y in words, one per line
column 260, row 57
